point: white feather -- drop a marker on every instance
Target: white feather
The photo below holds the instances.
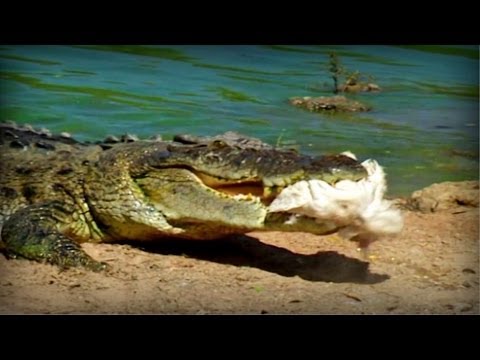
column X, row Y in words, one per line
column 356, row 206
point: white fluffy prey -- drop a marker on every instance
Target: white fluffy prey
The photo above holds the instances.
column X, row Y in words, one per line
column 357, row 207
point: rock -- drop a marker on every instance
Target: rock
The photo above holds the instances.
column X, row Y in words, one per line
column 359, row 87
column 373, row 87
column 328, row 103
column 446, row 196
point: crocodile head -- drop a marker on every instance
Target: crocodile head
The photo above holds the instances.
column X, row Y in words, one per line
column 203, row 191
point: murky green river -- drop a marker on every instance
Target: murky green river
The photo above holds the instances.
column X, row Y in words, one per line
column 424, row 126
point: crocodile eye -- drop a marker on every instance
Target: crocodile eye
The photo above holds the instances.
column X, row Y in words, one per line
column 158, row 157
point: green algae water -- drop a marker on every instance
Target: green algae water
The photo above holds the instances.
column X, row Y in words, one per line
column 423, row 127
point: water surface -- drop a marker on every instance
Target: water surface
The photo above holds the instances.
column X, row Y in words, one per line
column 423, row 127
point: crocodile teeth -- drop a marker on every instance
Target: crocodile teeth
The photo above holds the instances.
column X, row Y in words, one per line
column 248, row 197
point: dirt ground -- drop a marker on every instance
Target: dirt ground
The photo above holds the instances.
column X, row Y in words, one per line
column 432, row 267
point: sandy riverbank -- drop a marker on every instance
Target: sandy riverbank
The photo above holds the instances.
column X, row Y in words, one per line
column 432, row 267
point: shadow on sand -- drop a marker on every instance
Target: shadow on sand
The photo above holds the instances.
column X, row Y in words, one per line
column 242, row 250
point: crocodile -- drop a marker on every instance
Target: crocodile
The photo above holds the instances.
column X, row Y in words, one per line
column 57, row 192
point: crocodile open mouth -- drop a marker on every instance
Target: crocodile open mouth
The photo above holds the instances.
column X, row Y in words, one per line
column 247, row 187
